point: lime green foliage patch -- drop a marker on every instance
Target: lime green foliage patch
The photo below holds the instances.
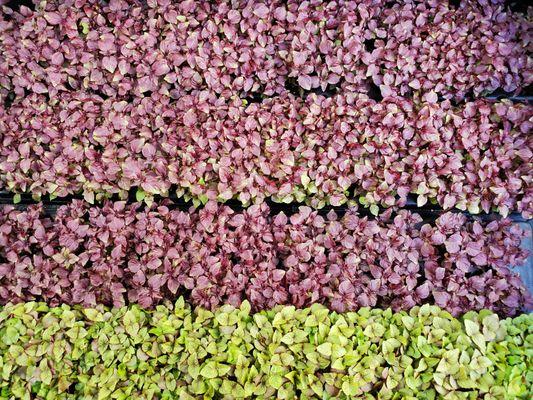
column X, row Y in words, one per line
column 175, row 352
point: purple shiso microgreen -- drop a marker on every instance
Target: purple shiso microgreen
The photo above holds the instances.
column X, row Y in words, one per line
column 118, row 253
column 475, row 156
column 130, row 48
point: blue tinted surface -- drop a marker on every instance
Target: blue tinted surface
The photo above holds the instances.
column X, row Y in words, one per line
column 526, row 271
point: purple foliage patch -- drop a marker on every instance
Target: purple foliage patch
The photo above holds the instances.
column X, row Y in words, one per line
column 476, row 156
column 121, row 253
column 133, row 47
